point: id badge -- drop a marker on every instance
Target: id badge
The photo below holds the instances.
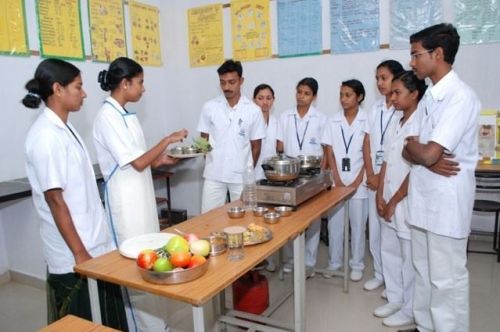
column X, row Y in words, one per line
column 346, row 164
column 379, row 158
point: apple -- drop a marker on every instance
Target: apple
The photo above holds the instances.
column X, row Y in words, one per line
column 162, row 264
column 200, row 247
column 176, row 244
column 180, row 258
column 196, row 260
column 191, row 237
column 146, row 258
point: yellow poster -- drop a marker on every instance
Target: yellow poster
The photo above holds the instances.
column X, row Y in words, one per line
column 13, row 38
column 145, row 33
column 60, row 29
column 206, row 36
column 251, row 30
column 107, row 30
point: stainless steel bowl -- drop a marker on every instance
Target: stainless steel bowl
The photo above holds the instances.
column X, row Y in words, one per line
column 284, row 211
column 236, row 212
column 189, row 150
column 259, row 211
column 218, row 243
column 173, row 277
column 309, row 162
column 272, row 217
column 176, row 150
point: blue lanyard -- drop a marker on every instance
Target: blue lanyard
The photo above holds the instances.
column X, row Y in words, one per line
column 382, row 129
column 300, row 142
column 346, row 145
column 72, row 133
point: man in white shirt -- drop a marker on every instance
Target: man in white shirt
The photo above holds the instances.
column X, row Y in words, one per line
column 234, row 126
column 440, row 207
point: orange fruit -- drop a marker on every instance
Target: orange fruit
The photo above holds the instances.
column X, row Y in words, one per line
column 180, row 258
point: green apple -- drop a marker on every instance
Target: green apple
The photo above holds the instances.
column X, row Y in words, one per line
column 177, row 244
column 162, row 265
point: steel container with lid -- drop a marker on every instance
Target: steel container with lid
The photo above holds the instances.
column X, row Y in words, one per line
column 281, row 168
column 308, row 162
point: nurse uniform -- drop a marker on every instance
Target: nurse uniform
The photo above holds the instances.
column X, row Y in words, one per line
column 301, row 136
column 268, row 146
column 347, row 142
column 129, row 195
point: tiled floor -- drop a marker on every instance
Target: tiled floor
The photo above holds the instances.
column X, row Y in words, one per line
column 328, row 309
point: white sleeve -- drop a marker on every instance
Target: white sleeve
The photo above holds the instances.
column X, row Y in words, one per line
column 111, row 132
column 326, row 136
column 258, row 127
column 280, row 131
column 204, row 121
column 49, row 157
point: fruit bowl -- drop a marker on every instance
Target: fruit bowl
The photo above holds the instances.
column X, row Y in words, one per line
column 173, row 277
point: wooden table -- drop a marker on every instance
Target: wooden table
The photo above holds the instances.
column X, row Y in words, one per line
column 488, row 168
column 221, row 273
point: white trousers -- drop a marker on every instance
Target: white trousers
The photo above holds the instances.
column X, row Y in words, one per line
column 399, row 274
column 144, row 311
column 357, row 219
column 312, row 243
column 441, row 298
column 214, row 194
column 374, row 235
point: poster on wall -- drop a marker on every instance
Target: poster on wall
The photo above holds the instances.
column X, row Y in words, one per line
column 354, row 26
column 299, row 27
column 60, row 28
column 408, row 17
column 251, row 31
column 478, row 21
column 206, row 36
column 13, row 37
column 489, row 135
column 107, row 30
column 145, row 30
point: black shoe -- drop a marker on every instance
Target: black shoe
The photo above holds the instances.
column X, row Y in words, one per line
column 409, row 330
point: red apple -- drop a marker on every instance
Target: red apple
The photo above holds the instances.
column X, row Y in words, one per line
column 146, row 259
column 191, row 237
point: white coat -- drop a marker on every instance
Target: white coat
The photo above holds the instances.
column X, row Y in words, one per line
column 56, row 157
column 268, row 147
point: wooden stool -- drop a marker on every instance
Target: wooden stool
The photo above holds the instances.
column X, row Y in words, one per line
column 72, row 323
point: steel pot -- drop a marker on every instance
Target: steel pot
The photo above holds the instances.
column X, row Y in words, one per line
column 309, row 162
column 281, row 168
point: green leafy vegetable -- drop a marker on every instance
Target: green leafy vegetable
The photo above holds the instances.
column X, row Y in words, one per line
column 201, row 145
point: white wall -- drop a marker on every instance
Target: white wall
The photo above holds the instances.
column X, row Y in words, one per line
column 175, row 94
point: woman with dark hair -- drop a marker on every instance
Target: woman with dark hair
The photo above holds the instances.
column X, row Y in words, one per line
column 72, row 220
column 382, row 119
column 343, row 139
column 126, row 164
column 299, row 133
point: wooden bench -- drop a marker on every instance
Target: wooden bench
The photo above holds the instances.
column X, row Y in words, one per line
column 72, row 323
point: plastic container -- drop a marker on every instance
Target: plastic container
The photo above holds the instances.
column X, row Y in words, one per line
column 249, row 194
column 251, row 293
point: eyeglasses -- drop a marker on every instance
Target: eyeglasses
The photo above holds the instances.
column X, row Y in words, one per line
column 415, row 56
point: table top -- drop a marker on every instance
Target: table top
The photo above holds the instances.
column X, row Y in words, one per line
column 73, row 323
column 488, row 168
column 221, row 273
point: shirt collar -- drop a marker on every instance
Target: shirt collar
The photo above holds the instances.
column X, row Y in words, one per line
column 312, row 112
column 54, row 118
column 437, row 91
column 117, row 105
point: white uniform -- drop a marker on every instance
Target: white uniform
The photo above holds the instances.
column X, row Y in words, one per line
column 56, row 157
column 441, row 208
column 230, row 131
column 301, row 136
column 129, row 196
column 347, row 142
column 380, row 126
column 399, row 274
column 268, row 147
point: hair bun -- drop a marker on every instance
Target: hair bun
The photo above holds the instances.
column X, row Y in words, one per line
column 102, row 79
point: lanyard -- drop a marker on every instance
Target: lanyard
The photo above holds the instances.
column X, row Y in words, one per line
column 382, row 129
column 72, row 133
column 300, row 142
column 346, row 145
